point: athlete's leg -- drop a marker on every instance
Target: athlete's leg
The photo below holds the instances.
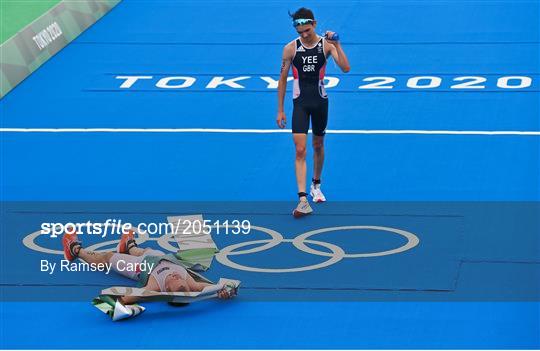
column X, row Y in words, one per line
column 303, row 208
column 318, row 156
column 151, row 252
column 300, row 127
column 73, row 249
column 128, row 245
column 318, row 161
column 124, row 264
column 140, row 251
column 94, row 257
column 130, row 265
column 300, row 160
column 319, row 120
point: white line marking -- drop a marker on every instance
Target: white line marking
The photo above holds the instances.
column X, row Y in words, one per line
column 263, row 131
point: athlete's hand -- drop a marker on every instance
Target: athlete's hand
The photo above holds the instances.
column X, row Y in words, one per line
column 227, row 293
column 224, row 294
column 281, row 120
column 329, row 35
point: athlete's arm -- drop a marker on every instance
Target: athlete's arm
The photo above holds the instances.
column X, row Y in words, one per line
column 151, row 285
column 128, row 300
column 338, row 54
column 286, row 59
column 199, row 286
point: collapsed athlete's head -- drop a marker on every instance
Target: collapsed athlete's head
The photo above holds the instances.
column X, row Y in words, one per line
column 304, row 23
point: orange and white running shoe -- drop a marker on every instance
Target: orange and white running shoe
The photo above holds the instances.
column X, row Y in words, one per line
column 127, row 241
column 71, row 245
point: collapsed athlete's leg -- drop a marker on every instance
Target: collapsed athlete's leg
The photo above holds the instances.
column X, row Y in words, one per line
column 128, row 245
column 118, row 261
column 94, row 257
column 138, row 251
column 318, row 156
column 73, row 250
column 300, row 161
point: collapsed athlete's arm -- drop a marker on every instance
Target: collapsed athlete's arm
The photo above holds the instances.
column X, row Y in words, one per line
column 339, row 55
column 151, row 285
column 199, row 286
column 288, row 54
column 177, row 285
column 128, row 300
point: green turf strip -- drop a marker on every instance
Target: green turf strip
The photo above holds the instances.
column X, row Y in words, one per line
column 16, row 14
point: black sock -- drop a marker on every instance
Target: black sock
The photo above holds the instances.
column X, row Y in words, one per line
column 316, row 181
column 130, row 245
column 75, row 248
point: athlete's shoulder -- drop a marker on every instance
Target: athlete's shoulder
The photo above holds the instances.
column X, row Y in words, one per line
column 291, row 44
column 290, row 48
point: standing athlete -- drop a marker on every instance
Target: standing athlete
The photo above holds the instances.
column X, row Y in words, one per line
column 308, row 55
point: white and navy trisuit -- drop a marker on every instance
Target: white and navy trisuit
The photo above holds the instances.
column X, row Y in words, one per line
column 309, row 95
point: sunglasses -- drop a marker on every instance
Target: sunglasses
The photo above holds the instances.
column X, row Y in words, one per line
column 302, row 21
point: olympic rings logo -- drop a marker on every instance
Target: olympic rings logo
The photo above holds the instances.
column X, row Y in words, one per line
column 336, row 254
column 300, row 242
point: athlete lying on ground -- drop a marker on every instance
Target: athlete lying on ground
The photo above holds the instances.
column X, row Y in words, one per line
column 166, row 275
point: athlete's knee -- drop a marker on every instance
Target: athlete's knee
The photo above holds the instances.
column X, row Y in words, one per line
column 318, row 144
column 151, row 252
column 106, row 256
column 301, row 151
